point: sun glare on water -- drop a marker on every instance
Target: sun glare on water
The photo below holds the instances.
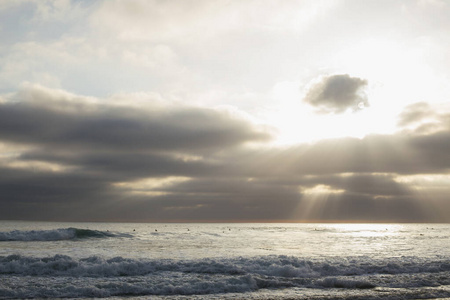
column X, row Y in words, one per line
column 367, row 230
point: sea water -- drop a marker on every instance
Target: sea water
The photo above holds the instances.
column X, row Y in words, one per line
column 224, row 261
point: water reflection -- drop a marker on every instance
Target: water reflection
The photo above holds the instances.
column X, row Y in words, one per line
column 367, row 230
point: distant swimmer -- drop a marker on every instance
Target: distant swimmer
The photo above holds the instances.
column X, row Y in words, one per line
column 134, row 229
column 156, row 229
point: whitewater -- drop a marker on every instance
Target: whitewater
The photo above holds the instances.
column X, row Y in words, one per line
column 224, row 261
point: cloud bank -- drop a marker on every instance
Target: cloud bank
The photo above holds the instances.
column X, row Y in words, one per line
column 68, row 157
column 153, row 140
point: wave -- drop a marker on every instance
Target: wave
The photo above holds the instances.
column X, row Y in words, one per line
column 57, row 235
column 272, row 265
column 64, row 276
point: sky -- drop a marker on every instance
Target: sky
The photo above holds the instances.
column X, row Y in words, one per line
column 225, row 111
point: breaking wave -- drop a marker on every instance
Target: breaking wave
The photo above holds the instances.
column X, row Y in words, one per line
column 57, row 235
column 64, row 276
column 280, row 266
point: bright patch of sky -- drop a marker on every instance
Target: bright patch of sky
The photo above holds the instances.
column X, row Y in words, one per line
column 259, row 57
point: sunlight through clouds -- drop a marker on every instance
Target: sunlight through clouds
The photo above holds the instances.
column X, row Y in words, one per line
column 335, row 110
column 151, row 186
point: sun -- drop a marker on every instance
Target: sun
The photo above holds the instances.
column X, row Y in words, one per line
column 296, row 122
column 397, row 76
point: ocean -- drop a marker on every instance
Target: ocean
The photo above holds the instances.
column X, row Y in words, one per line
column 224, row 261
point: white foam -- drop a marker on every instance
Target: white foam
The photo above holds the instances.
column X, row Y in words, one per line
column 276, row 266
column 64, row 276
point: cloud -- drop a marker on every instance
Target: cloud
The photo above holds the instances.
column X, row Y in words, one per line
column 424, row 118
column 72, row 157
column 337, row 93
column 154, row 20
column 367, row 184
column 357, row 208
column 62, row 123
column 61, row 151
column 414, row 113
column 69, row 157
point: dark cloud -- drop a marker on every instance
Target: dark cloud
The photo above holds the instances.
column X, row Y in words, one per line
column 126, row 165
column 337, row 93
column 364, row 184
column 72, row 160
column 357, row 208
column 433, row 150
column 397, row 153
column 33, row 195
column 41, row 119
column 223, row 199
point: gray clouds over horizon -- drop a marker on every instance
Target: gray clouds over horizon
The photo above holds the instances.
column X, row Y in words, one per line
column 337, row 93
column 67, row 157
column 132, row 110
column 39, row 118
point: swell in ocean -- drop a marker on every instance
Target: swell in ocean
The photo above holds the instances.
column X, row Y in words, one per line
column 64, row 276
column 57, row 235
